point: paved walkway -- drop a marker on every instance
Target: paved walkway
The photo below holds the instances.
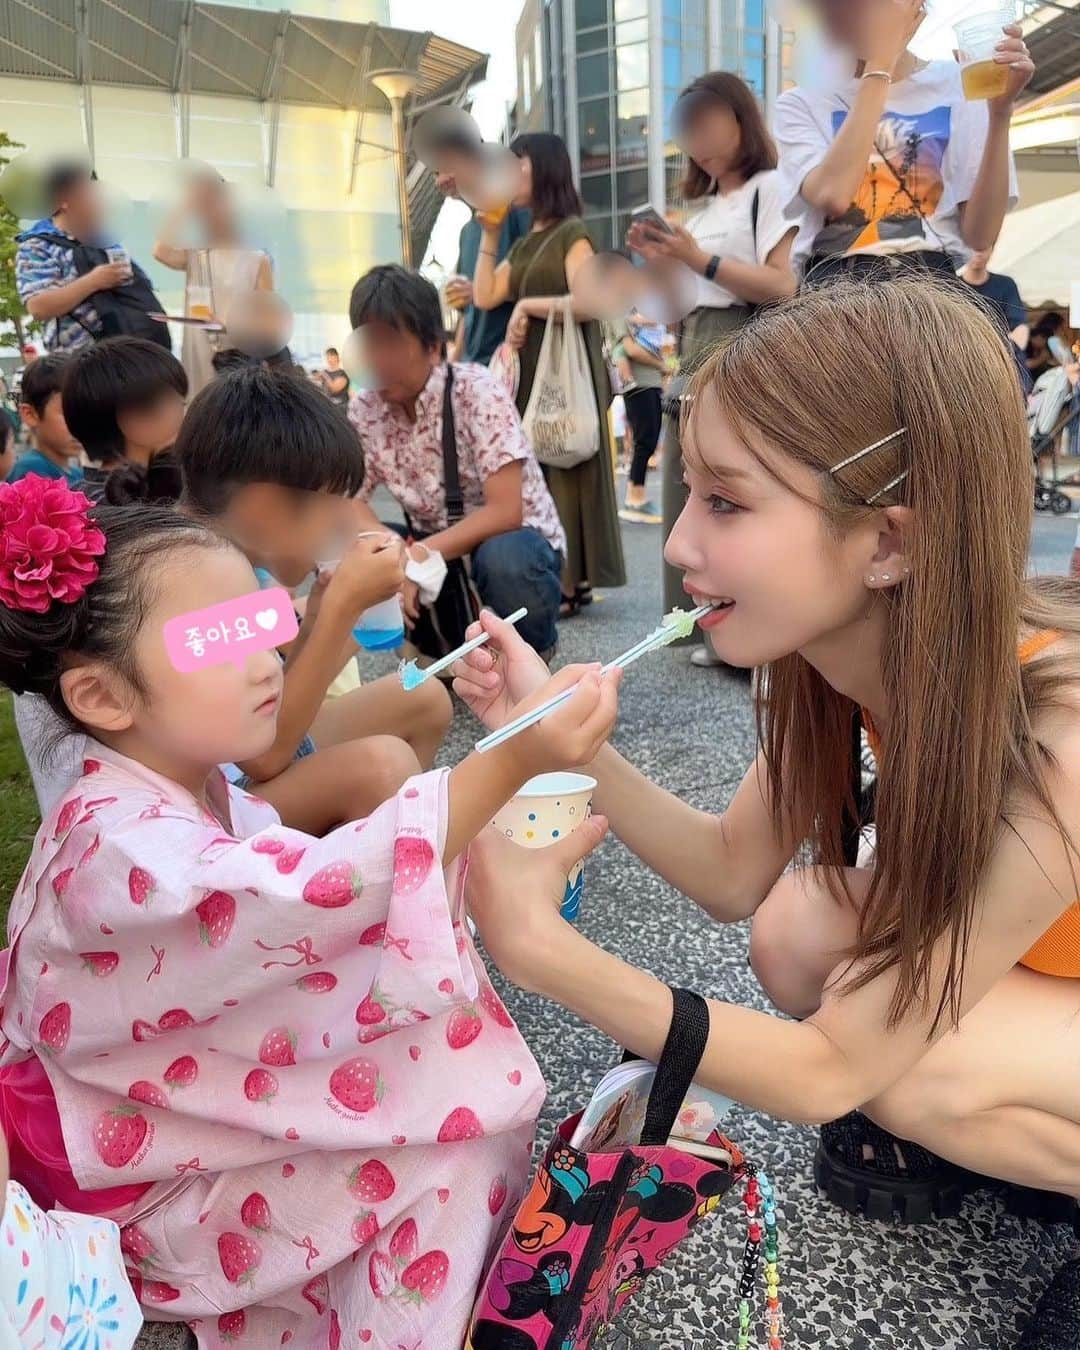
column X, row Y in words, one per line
column 848, row 1285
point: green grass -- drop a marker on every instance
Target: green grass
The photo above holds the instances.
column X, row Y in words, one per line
column 19, row 817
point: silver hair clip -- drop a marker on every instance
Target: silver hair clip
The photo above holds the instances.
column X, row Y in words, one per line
column 888, row 487
column 861, row 454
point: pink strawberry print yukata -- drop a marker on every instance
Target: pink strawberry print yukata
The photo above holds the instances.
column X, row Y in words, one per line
column 290, row 1041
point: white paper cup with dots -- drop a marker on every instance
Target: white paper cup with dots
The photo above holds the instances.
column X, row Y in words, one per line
column 545, row 810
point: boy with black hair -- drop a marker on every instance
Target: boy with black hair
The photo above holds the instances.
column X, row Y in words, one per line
column 55, row 452
column 269, row 462
column 123, row 398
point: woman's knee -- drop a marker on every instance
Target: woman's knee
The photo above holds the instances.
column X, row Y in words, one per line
column 798, row 936
column 774, row 948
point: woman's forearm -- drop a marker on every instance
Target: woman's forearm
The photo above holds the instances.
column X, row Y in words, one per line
column 540, row 307
column 485, row 292
column 788, row 1069
column 634, row 351
column 755, row 283
column 682, row 844
column 832, row 186
column 984, row 211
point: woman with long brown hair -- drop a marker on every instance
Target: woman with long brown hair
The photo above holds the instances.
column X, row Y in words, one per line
column 869, row 570
column 736, row 241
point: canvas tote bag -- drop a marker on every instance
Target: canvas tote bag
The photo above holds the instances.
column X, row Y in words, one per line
column 561, row 419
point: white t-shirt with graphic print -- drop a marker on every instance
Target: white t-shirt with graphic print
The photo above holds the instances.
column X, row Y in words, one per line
column 925, row 163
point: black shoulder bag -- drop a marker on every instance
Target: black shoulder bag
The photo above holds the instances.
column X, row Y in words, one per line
column 441, row 626
column 125, row 310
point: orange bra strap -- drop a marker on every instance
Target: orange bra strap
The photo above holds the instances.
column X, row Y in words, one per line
column 1039, row 642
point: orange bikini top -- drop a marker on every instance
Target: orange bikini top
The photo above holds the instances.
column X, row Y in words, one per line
column 1057, row 952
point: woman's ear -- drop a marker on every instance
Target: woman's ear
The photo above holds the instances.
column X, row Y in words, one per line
column 891, row 561
column 98, row 697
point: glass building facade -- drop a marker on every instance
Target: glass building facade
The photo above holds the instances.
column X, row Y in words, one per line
column 614, row 69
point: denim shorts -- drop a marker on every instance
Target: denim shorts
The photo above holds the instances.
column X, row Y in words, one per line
column 306, row 747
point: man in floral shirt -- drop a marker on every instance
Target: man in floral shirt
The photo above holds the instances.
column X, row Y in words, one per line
column 510, row 532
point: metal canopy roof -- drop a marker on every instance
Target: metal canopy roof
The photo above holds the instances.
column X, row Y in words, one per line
column 216, row 49
column 186, row 47
column 1054, row 39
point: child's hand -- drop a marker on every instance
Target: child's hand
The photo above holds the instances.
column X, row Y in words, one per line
column 514, row 894
column 371, row 570
column 315, row 597
column 495, row 677
column 573, row 734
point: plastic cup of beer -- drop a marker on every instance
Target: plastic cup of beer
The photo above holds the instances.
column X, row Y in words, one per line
column 198, row 303
column 977, row 38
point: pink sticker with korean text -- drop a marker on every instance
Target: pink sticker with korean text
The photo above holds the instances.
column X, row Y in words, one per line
column 232, row 631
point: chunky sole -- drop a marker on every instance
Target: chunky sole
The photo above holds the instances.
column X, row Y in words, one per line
column 895, row 1200
column 933, row 1198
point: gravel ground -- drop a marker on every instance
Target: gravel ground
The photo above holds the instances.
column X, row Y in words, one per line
column 967, row 1284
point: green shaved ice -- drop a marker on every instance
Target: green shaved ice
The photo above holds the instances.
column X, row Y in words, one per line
column 679, row 623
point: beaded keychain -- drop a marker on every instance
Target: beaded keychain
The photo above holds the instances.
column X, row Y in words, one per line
column 759, row 1195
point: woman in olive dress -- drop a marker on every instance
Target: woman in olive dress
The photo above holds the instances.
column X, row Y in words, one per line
column 538, row 273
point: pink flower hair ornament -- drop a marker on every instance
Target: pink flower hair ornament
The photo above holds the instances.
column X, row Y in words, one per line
column 48, row 544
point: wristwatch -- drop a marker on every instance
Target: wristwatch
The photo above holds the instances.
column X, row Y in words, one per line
column 711, row 267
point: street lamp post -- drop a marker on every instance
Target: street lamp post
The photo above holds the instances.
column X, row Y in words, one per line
column 396, row 86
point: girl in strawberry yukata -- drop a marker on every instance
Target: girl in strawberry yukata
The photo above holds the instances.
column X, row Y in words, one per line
column 275, row 1061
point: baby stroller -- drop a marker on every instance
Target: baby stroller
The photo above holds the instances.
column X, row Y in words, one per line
column 1053, row 407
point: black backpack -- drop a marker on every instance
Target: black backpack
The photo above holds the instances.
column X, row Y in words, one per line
column 124, row 311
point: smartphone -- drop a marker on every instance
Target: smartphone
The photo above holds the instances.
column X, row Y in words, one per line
column 649, row 215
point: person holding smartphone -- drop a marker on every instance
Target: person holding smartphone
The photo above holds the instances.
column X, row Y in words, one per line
column 736, row 241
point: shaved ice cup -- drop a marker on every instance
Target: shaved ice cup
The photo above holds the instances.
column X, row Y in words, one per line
column 546, row 810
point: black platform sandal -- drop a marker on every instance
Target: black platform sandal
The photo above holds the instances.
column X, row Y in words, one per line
column 866, row 1170
column 1055, row 1323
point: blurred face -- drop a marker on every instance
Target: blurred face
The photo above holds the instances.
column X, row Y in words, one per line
column 399, row 362
column 184, row 724
column 154, row 427
column 750, row 544
column 844, row 21
column 333, row 361
column 49, row 430
column 713, row 139
column 210, row 202
column 523, row 196
column 455, row 172
column 83, row 210
column 284, row 529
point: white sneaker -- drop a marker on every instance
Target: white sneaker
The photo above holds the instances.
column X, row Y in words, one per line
column 705, row 658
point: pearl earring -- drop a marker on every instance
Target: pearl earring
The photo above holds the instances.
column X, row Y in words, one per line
column 885, row 576
column 871, row 579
